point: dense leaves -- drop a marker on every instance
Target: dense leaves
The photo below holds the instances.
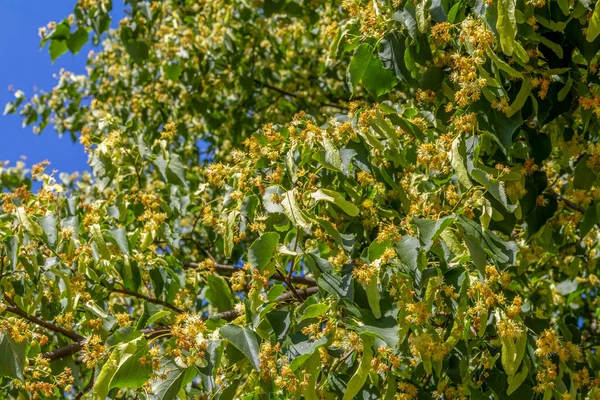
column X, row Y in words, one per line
column 303, row 199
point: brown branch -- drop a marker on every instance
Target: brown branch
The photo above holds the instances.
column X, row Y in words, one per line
column 152, row 333
column 289, row 284
column 86, row 388
column 294, row 95
column 230, row 269
column 304, row 294
column 567, row 202
column 149, row 299
column 63, row 352
column 13, row 308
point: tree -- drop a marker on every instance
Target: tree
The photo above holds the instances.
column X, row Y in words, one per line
column 311, row 199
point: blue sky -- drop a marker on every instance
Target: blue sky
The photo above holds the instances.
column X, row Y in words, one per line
column 24, row 66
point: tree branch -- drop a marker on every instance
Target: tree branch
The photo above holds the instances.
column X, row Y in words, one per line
column 63, row 352
column 294, row 95
column 149, row 299
column 152, row 333
column 289, row 284
column 86, row 388
column 568, row 203
column 13, row 308
column 230, row 269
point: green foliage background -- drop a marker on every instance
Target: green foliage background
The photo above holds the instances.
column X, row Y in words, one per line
column 311, row 199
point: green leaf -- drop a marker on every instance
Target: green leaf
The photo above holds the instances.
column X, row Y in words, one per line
column 98, row 238
column 313, row 365
column 521, row 98
column 385, row 129
column 432, row 79
column 593, row 29
column 408, row 250
column 555, row 47
column 176, row 171
column 77, row 40
column 584, row 178
column 564, row 7
column 10, row 108
column 509, row 355
column 177, row 377
column 292, row 211
column 391, row 54
column 329, row 157
column 300, row 350
column 502, row 65
column 12, row 250
column 131, row 373
column 429, row 230
column 230, row 228
column 262, row 250
column 28, row 223
column 345, row 240
column 366, row 67
column 541, row 214
column 62, row 31
column 373, row 297
column 137, row 50
column 407, row 18
column 48, row 224
column 517, row 380
column 494, row 187
column 378, row 80
column 120, row 237
column 565, row 89
column 58, row 47
column 458, row 160
column 358, row 65
column 360, row 376
column 12, row 357
column 507, row 25
column 314, row 311
column 172, row 71
column 219, row 294
column 122, row 369
column 386, row 328
column 337, row 199
column 590, row 219
column 245, row 340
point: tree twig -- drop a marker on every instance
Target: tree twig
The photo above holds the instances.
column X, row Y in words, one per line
column 288, row 283
column 296, row 96
column 64, row 351
column 154, row 332
column 567, row 202
column 87, row 387
column 149, row 299
column 230, row 269
column 13, row 308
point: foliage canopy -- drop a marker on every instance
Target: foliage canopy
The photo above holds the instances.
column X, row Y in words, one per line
column 311, row 199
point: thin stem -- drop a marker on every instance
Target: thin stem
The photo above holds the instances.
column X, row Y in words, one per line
column 288, row 283
column 294, row 95
column 149, row 299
